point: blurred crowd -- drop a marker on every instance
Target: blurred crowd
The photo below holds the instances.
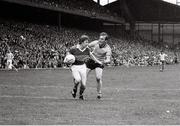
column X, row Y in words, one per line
column 85, row 7
column 140, row 53
column 34, row 46
column 43, row 46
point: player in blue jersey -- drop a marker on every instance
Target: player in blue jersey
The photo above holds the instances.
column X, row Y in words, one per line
column 78, row 68
column 100, row 55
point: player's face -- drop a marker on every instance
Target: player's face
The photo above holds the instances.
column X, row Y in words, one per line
column 85, row 43
column 102, row 40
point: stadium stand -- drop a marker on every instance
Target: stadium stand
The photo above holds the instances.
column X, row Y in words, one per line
column 36, row 49
column 87, row 8
column 42, row 45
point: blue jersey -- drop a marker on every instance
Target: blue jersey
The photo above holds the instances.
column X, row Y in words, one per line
column 100, row 53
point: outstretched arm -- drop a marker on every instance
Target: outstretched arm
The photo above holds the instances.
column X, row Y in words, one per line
column 95, row 59
column 93, row 43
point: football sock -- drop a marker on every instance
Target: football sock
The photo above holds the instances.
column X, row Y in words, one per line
column 82, row 88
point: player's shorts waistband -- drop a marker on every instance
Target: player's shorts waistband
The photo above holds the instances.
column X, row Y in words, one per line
column 78, row 63
column 78, row 67
column 91, row 64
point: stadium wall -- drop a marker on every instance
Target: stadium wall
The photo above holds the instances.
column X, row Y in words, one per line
column 169, row 33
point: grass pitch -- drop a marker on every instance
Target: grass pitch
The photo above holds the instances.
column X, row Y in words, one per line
column 135, row 95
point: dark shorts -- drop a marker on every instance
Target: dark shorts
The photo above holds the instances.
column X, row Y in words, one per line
column 162, row 61
column 91, row 64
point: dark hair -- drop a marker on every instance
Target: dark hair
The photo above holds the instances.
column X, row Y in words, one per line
column 83, row 38
column 104, row 34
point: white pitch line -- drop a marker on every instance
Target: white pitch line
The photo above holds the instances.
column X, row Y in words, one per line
column 28, row 97
column 105, row 88
column 145, row 89
column 104, row 99
column 34, row 86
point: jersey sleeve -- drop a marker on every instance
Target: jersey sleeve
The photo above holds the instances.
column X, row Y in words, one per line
column 89, row 50
column 93, row 43
column 71, row 51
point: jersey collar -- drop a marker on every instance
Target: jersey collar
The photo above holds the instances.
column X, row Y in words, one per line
column 78, row 46
column 103, row 46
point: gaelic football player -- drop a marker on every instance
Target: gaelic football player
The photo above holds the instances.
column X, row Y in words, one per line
column 9, row 60
column 162, row 57
column 100, row 55
column 78, row 68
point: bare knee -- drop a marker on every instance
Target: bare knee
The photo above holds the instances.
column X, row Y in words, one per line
column 98, row 79
column 77, row 81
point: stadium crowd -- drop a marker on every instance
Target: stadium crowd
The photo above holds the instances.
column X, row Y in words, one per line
column 85, row 7
column 140, row 53
column 42, row 46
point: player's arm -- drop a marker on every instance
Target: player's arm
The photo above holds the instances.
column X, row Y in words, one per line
column 12, row 56
column 5, row 57
column 95, row 59
column 108, row 56
column 158, row 56
column 68, row 52
column 93, row 43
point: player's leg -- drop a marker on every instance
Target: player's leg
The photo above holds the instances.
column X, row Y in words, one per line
column 160, row 66
column 99, row 72
column 90, row 65
column 83, row 73
column 14, row 68
column 74, row 90
column 163, row 63
column 76, row 80
column 9, row 64
column 87, row 72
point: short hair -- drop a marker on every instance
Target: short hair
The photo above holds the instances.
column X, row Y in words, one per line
column 83, row 38
column 104, row 34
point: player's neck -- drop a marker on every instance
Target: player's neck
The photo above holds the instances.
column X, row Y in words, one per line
column 102, row 46
column 82, row 48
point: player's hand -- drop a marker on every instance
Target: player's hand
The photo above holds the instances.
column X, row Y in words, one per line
column 106, row 62
column 68, row 64
column 99, row 62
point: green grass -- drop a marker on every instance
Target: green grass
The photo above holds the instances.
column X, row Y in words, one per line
column 135, row 95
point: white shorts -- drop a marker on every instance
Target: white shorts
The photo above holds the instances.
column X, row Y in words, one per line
column 79, row 73
column 9, row 64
